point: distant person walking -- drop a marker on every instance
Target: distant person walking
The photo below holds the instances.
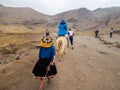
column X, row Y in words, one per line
column 96, row 33
column 71, row 34
column 47, row 32
column 111, row 32
column 45, row 66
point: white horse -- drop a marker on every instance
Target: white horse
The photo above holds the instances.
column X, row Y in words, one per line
column 61, row 44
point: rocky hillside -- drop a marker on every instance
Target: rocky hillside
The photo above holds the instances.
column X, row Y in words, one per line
column 20, row 15
column 22, row 19
column 110, row 17
column 83, row 18
column 79, row 19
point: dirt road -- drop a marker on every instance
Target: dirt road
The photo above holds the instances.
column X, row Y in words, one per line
column 91, row 65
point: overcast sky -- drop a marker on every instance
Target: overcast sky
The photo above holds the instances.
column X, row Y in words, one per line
column 52, row 7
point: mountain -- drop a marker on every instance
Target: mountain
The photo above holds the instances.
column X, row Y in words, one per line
column 107, row 12
column 90, row 20
column 110, row 17
column 21, row 15
column 79, row 19
column 16, row 19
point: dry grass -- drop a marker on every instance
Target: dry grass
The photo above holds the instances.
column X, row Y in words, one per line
column 87, row 33
column 21, row 29
column 6, row 39
column 17, row 34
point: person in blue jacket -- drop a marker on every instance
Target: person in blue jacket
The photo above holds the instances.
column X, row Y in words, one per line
column 62, row 28
column 46, row 60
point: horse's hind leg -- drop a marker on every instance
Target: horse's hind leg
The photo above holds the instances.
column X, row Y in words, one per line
column 64, row 52
column 64, row 48
column 59, row 57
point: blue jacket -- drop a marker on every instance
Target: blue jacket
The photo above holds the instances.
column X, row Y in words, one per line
column 62, row 29
column 47, row 52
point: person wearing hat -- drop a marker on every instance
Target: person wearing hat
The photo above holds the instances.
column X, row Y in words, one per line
column 45, row 66
column 47, row 32
column 62, row 37
column 62, row 28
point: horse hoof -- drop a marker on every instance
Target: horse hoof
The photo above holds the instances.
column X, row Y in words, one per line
column 59, row 60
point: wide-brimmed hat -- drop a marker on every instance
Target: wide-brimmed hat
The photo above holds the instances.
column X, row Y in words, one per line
column 46, row 41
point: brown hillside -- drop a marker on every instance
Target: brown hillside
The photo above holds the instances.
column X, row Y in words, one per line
column 79, row 19
column 13, row 14
column 109, row 17
column 14, row 19
column 101, row 18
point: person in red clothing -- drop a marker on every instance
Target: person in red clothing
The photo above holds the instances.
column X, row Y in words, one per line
column 96, row 33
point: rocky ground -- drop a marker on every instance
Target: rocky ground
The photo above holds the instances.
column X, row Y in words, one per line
column 91, row 65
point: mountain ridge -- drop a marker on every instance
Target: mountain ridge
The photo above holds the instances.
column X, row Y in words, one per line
column 78, row 19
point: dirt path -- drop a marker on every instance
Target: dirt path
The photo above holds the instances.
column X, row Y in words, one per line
column 91, row 65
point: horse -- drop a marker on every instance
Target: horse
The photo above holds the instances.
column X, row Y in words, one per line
column 61, row 44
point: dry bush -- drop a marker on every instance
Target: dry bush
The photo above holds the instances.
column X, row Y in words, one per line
column 10, row 49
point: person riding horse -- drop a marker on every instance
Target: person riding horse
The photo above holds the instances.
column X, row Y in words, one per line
column 62, row 41
column 62, row 28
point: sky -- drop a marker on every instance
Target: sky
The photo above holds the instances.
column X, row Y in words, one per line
column 52, row 7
